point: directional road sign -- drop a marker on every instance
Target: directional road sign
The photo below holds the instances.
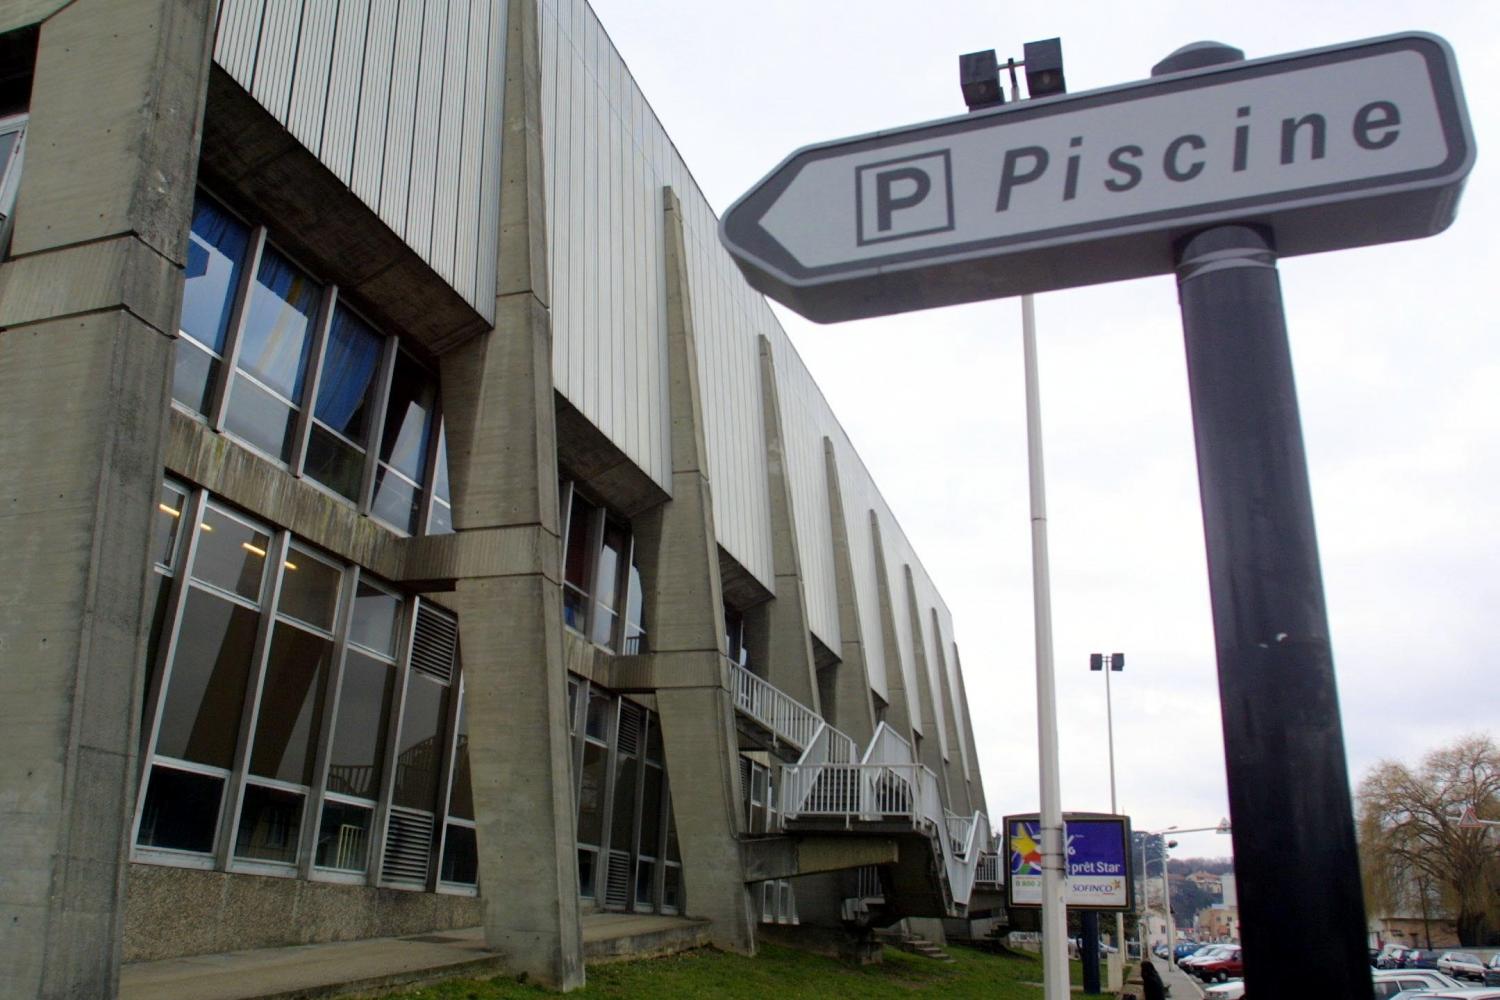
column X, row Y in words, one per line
column 1345, row 146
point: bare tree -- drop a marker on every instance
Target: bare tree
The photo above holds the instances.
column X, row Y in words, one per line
column 1410, row 839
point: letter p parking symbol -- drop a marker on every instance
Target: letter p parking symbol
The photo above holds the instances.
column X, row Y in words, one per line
column 899, row 199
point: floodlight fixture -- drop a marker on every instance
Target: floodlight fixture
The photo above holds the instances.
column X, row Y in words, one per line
column 979, row 77
column 1044, row 68
column 1117, row 662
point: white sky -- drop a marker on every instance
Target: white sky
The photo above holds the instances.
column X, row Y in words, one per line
column 1396, row 359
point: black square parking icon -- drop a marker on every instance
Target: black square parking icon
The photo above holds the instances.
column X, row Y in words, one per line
column 899, row 199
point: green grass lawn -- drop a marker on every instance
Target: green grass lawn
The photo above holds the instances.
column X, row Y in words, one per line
column 781, row 974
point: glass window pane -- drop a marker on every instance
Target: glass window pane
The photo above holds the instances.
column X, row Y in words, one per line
column 260, row 417
column 651, row 811
column 461, row 797
column 609, row 566
column 586, row 867
column 270, row 821
column 309, row 589
column 334, row 462
column 181, row 810
column 344, row 837
column 359, row 730
column 231, row 554
column 635, row 603
column 195, row 371
column 441, row 520
column 604, row 625
column 420, row 753
column 168, row 519
column 579, row 527
column 671, row 887
column 200, row 719
column 346, row 392
column 591, row 795
column 291, row 705
column 622, row 820
column 653, row 739
column 278, row 325
column 600, row 707
column 460, row 856
column 395, row 501
column 440, row 473
column 217, row 245
column 407, row 417
column 673, row 852
column 645, row 885
column 376, row 616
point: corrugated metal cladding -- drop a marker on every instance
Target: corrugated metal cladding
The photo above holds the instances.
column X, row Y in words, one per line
column 607, row 160
column 401, row 99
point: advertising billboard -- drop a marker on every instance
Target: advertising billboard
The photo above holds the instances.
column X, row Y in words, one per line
column 1098, row 848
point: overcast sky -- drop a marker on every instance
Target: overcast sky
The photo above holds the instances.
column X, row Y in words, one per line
column 1397, row 366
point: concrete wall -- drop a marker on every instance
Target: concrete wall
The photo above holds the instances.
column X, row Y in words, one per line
column 182, row 911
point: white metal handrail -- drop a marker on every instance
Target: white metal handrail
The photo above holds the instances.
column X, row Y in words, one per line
column 888, row 747
column 787, row 718
column 988, row 870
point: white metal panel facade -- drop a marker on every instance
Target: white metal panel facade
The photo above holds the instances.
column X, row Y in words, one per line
column 401, row 100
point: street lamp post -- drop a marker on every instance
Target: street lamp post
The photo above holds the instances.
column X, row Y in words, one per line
column 1166, row 885
column 1115, row 661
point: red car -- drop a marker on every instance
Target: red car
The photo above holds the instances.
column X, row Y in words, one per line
column 1221, row 967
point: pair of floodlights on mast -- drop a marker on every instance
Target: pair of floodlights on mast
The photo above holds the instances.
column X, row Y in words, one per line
column 979, row 74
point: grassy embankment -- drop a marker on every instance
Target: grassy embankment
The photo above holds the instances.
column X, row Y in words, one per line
column 780, row 974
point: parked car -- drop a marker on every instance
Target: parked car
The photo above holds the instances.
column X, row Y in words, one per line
column 1462, row 993
column 1232, row 990
column 1203, row 954
column 1389, row 982
column 1221, row 966
column 1420, row 958
column 1492, row 970
column 1390, row 956
column 1461, row 965
column 1184, row 949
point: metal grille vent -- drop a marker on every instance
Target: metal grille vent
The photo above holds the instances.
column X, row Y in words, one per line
column 435, row 642
column 617, row 884
column 632, row 721
column 408, row 848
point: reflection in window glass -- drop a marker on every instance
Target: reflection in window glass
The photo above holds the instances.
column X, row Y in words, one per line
column 591, row 794
column 651, row 811
column 671, row 891
column 420, row 753
column 408, row 413
column 645, row 884
column 231, row 554
column 181, row 811
column 270, row 821
column 576, row 563
column 635, row 624
column 601, row 705
column 587, row 864
column 200, row 718
column 346, row 397
column 217, row 247
column 396, row 500
column 376, row 616
column 168, row 519
column 460, row 856
column 622, row 820
column 291, row 705
column 343, row 837
column 260, row 417
column 309, row 589
column 278, row 326
column 461, row 797
column 606, row 587
column 359, row 732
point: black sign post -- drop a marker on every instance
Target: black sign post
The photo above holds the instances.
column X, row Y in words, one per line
column 1302, row 916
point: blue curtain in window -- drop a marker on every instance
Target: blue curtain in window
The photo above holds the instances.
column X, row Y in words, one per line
column 350, row 360
column 279, row 325
column 216, row 252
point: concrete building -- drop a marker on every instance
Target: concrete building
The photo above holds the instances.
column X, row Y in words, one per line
column 410, row 520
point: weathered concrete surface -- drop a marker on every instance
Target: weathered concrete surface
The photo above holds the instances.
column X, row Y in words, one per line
column 91, row 299
column 930, row 752
column 782, row 622
column 788, row 857
column 853, row 710
column 502, row 453
column 679, row 562
column 898, row 712
column 976, row 781
column 958, row 771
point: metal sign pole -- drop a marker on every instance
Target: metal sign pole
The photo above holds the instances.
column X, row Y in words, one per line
column 1302, row 912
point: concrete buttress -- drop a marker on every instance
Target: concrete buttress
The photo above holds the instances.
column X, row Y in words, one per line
column 88, row 313
column 853, row 710
column 898, row 711
column 678, row 549
column 931, row 750
column 502, row 440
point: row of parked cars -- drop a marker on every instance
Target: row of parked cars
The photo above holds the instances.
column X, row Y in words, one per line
column 1481, row 966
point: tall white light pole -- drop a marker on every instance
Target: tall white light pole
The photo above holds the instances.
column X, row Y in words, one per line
column 1110, row 664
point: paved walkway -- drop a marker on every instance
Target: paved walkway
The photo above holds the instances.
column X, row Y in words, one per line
column 322, row 970
column 1184, row 986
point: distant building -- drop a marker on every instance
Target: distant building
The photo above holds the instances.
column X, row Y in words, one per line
column 1218, row 923
column 412, row 520
column 1207, row 881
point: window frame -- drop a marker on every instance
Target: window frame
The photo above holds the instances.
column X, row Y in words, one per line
column 10, row 175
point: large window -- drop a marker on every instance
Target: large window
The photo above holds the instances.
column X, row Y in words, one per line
column 297, row 706
column 627, row 843
column 279, row 361
column 603, row 597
